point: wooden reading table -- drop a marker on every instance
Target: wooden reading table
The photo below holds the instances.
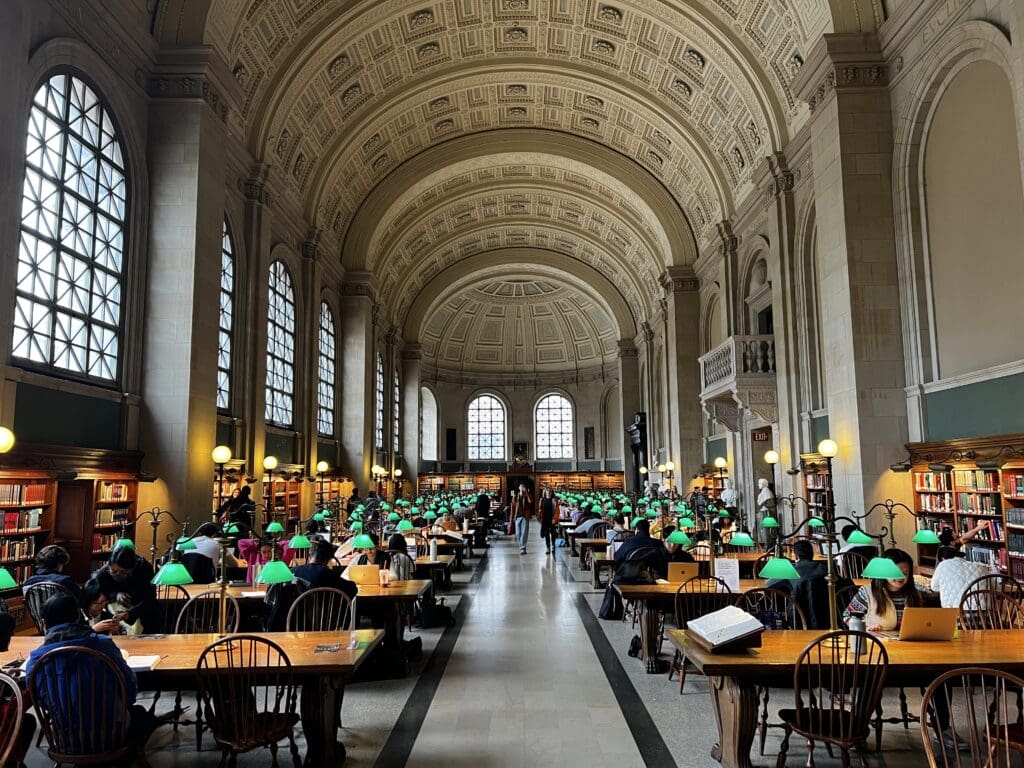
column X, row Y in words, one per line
column 321, row 676
column 589, row 546
column 601, row 562
column 735, row 677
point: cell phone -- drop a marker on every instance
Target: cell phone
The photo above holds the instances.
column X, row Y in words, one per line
column 328, row 648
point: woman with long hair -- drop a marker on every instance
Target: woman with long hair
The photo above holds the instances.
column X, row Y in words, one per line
column 881, row 603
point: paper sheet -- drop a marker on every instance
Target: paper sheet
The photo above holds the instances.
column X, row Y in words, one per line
column 142, row 663
column 728, row 570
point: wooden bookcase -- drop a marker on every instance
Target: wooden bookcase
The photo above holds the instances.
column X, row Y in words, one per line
column 114, row 509
column 813, row 467
column 496, row 483
column 933, row 493
column 27, row 508
column 714, row 479
column 284, row 500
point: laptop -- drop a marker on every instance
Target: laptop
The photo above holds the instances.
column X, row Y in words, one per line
column 680, row 572
column 928, row 624
column 364, row 574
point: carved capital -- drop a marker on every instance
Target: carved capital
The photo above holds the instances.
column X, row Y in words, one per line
column 626, row 348
column 679, row 279
column 846, row 61
column 728, row 241
column 359, row 284
column 782, row 180
column 412, row 352
column 190, row 86
column 311, row 245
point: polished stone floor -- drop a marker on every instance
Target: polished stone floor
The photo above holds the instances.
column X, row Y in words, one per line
column 523, row 680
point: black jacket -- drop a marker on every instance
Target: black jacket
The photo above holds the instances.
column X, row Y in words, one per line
column 657, row 559
column 321, row 576
column 138, row 586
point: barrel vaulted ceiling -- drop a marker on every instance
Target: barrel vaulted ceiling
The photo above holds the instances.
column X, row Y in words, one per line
column 419, row 136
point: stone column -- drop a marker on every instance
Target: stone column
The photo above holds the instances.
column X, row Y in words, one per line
column 187, row 167
column 844, row 82
column 357, row 392
column 629, row 395
column 728, row 244
column 307, row 401
column 412, row 366
column 682, row 296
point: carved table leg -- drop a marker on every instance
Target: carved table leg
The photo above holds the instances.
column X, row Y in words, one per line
column 320, row 708
column 649, row 636
column 736, row 716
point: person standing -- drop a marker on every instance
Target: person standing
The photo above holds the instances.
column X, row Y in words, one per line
column 548, row 516
column 522, row 512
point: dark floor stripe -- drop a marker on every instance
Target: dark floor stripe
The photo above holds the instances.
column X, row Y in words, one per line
column 653, row 749
column 403, row 736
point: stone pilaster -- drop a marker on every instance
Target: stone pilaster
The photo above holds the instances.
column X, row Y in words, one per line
column 629, row 394
column 357, row 360
column 682, row 305
column 412, row 367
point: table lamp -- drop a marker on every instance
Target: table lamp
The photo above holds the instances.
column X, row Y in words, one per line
column 394, row 517
column 275, row 527
column 687, row 522
column 171, row 574
column 678, row 537
column 356, row 527
column 769, row 522
column 405, row 525
column 362, row 541
column 185, row 544
column 634, row 521
column 778, row 568
column 299, row 541
column 627, row 510
column 232, row 529
column 123, row 542
column 925, row 536
column 741, row 539
column 859, row 537
column 6, row 580
column 815, row 522
column 275, row 572
column 882, row 568
column 430, row 515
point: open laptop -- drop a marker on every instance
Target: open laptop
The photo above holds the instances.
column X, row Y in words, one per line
column 680, row 572
column 927, row 624
column 364, row 574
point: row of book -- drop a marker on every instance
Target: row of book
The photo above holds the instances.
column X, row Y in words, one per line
column 992, row 528
column 114, row 492
column 23, row 493
column 1015, row 516
column 103, row 542
column 936, row 503
column 1014, row 485
column 991, row 557
column 1015, row 542
column 20, row 520
column 109, row 516
column 17, row 549
column 929, row 482
column 986, row 505
column 977, row 479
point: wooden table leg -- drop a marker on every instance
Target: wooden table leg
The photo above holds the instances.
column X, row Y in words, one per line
column 649, row 636
column 320, row 709
column 735, row 704
column 595, row 582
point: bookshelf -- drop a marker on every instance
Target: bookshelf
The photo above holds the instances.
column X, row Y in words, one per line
column 26, row 505
column 933, row 492
column 714, row 479
column 114, row 510
column 816, row 483
column 284, row 500
column 495, row 483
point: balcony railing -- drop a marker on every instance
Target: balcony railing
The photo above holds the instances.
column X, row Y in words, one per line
column 737, row 356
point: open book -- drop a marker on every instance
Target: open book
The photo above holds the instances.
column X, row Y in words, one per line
column 727, row 629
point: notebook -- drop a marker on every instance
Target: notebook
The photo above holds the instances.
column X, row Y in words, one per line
column 364, row 574
column 928, row 624
column 680, row 572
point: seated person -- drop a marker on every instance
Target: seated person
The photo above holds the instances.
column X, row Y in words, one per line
column 953, row 573
column 318, row 573
column 725, row 528
column 95, row 611
column 618, row 527
column 372, row 555
column 205, row 539
column 448, row 522
column 676, row 553
column 61, row 616
column 50, row 563
column 316, row 529
column 883, row 601
column 578, row 513
column 402, row 565
column 584, row 528
column 656, row 556
column 261, row 552
column 127, row 580
column 805, row 565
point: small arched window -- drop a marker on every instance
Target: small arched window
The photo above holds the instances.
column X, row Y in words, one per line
column 325, row 372
column 68, row 296
column 554, row 427
column 378, row 426
column 486, row 429
column 396, row 414
column 225, row 321
column 280, row 390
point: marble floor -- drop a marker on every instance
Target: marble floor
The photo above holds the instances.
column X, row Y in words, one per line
column 526, row 679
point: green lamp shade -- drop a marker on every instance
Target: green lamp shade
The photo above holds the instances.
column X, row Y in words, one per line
column 360, row 508
column 859, row 537
column 319, row 517
column 443, row 511
column 356, row 526
column 299, row 541
column 815, row 522
column 741, row 539
column 681, row 508
column 678, row 537
column 652, row 513
column 172, row 573
column 231, row 528
column 325, row 512
column 185, row 544
column 6, row 580
column 634, row 521
column 124, row 543
column 778, row 568
column 394, row 517
column 430, row 515
column 926, row 536
column 275, row 572
column 275, row 527
column 723, row 512
column 687, row 522
column 384, row 507
column 405, row 525
column 769, row 522
column 362, row 541
column 882, row 568
column 419, row 499
column 627, row 510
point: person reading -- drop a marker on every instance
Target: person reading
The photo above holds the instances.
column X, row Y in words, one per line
column 318, row 573
column 883, row 601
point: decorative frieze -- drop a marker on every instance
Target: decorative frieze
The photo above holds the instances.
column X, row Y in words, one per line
column 189, row 86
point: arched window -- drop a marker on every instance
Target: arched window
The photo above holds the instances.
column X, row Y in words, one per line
column 378, row 426
column 554, row 427
column 396, row 414
column 428, row 425
column 226, row 319
column 325, row 372
column 486, row 431
column 68, row 304
column 280, row 347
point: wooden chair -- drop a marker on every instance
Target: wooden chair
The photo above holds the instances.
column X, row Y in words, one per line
column 776, row 610
column 966, row 720
column 201, row 614
column 323, row 609
column 36, row 595
column 852, row 565
column 248, row 696
column 695, row 598
column 12, row 713
column 637, row 554
column 1000, row 582
column 990, row 609
column 421, row 545
column 836, row 690
column 170, row 599
column 81, row 698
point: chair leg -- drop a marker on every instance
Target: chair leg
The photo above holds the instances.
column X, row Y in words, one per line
column 878, row 728
column 177, row 709
column 780, row 761
column 199, row 726
column 682, row 672
column 764, row 718
column 862, row 750
column 810, row 752
column 296, row 758
column 674, row 666
column 844, row 756
column 273, row 755
column 904, row 712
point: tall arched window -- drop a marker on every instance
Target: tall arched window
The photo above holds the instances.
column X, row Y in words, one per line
column 325, row 372
column 554, row 428
column 396, row 413
column 280, row 347
column 69, row 298
column 226, row 319
column 486, row 433
column 428, row 425
column 378, row 425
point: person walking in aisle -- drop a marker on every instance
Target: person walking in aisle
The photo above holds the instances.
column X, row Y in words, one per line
column 522, row 511
column 548, row 516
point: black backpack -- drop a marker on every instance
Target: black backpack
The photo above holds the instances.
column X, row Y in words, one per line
column 278, row 601
column 434, row 613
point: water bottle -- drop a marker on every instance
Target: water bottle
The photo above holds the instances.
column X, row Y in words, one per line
column 856, row 624
column 433, row 550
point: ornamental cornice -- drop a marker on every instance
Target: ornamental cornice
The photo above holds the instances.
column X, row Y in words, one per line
column 840, row 62
column 679, row 279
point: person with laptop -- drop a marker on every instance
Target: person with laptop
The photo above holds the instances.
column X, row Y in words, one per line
column 882, row 602
column 675, row 552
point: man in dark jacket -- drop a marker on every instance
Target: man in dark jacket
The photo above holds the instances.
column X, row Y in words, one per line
column 318, row 573
column 811, row 590
column 127, row 579
column 656, row 557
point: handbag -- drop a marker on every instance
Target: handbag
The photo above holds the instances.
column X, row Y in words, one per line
column 611, row 605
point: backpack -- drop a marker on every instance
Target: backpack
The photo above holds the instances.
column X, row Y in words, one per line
column 611, row 606
column 434, row 613
column 279, row 600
